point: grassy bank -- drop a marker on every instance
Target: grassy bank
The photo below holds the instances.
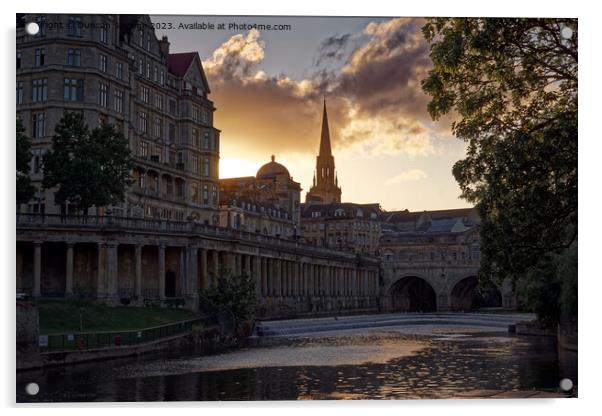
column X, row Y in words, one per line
column 59, row 317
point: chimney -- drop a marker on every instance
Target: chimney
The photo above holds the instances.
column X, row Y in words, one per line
column 164, row 46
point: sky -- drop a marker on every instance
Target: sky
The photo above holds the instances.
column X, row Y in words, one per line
column 269, row 86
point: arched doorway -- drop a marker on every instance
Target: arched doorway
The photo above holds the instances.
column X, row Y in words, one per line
column 170, row 284
column 412, row 294
column 467, row 295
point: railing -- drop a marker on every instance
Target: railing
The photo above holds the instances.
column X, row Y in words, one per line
column 164, row 226
column 83, row 341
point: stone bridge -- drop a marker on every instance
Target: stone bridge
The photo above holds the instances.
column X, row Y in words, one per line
column 439, row 286
column 136, row 261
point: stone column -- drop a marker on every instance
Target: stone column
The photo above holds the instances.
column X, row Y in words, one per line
column 257, row 275
column 247, row 264
column 264, row 276
column 278, row 276
column 286, row 277
column 161, row 271
column 232, row 262
column 183, row 277
column 69, row 271
column 138, row 281
column 270, row 276
column 215, row 264
column 112, row 272
column 203, row 273
column 101, row 286
column 37, row 269
column 192, row 274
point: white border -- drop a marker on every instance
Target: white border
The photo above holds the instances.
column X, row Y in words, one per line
column 589, row 162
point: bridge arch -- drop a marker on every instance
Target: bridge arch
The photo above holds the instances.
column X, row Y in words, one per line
column 466, row 295
column 412, row 294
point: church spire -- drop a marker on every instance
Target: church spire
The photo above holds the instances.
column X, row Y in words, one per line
column 326, row 184
column 325, row 149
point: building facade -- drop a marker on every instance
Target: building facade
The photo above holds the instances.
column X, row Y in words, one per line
column 113, row 70
column 344, row 226
column 267, row 203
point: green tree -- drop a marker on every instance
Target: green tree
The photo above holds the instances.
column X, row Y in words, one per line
column 234, row 293
column 88, row 168
column 25, row 189
column 510, row 85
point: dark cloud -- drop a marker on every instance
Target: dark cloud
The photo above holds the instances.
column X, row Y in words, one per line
column 332, row 49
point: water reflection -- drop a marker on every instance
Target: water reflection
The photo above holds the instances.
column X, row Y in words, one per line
column 445, row 368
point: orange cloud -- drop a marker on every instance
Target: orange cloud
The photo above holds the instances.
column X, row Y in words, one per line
column 375, row 101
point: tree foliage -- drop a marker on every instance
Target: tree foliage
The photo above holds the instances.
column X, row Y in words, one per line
column 511, row 87
column 234, row 293
column 25, row 189
column 88, row 168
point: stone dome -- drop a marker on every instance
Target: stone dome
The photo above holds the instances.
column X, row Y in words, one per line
column 271, row 170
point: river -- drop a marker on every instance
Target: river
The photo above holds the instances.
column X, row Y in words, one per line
column 397, row 362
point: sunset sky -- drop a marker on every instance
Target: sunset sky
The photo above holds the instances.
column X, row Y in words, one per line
column 268, row 88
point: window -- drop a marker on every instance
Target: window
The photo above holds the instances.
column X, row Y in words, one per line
column 214, row 194
column 143, row 121
column 159, row 101
column 39, row 90
column 37, row 163
column 144, row 95
column 118, row 101
column 148, row 70
column 172, row 107
column 205, row 194
column 158, row 153
column 119, row 70
column 39, row 125
column 195, row 137
column 140, row 67
column 158, row 127
column 104, row 34
column 194, row 193
column 19, row 92
column 206, row 167
column 73, row 89
column 156, row 77
column 162, row 78
column 143, row 149
column 103, row 91
column 148, row 42
column 41, row 21
column 75, row 26
column 18, row 60
column 74, row 57
column 172, row 133
column 141, row 37
column 206, row 140
column 476, row 251
column 196, row 113
column 40, row 55
column 103, row 63
column 195, row 164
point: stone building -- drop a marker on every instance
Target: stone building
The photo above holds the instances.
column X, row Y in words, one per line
column 430, row 261
column 266, row 203
column 344, row 226
column 325, row 188
column 114, row 70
